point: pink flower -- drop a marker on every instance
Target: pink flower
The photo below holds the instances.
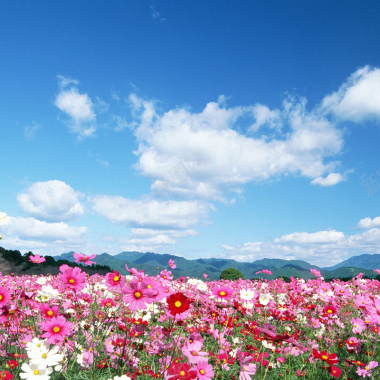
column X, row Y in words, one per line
column 171, row 264
column 137, row 295
column 115, row 280
column 37, row 259
column 5, row 296
column 48, row 312
column 377, row 271
column 166, row 275
column 63, row 267
column 358, row 325
column 204, row 371
column 193, row 352
column 205, row 275
column 223, row 292
column 366, row 371
column 73, row 278
column 247, row 369
column 80, row 257
column 56, row 329
column 315, row 272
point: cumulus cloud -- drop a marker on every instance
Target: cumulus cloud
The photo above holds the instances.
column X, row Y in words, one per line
column 149, row 213
column 330, row 236
column 323, row 248
column 369, row 223
column 51, row 200
column 358, row 98
column 79, row 108
column 191, row 154
column 329, row 180
column 31, row 228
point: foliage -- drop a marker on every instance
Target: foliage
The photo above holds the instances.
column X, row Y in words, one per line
column 231, row 274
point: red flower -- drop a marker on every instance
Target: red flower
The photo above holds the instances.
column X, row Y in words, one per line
column 324, row 356
column 330, row 310
column 6, row 375
column 334, row 371
column 178, row 303
column 181, row 371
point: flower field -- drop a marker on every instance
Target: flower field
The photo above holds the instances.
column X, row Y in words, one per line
column 73, row 326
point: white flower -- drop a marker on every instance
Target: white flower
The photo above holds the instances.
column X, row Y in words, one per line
column 34, row 344
column 35, row 372
column 268, row 345
column 247, row 294
column 46, row 293
column 45, row 357
column 41, row 280
column 265, row 299
column 124, row 377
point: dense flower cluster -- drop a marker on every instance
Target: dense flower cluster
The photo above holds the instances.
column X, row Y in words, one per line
column 142, row 327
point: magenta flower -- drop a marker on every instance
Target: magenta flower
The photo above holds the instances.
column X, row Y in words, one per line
column 80, row 257
column 73, row 278
column 5, row 296
column 358, row 325
column 223, row 292
column 36, row 259
column 115, row 280
column 137, row 295
column 56, row 329
column 315, row 272
column 171, row 264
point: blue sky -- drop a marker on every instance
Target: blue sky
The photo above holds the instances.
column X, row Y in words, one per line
column 240, row 130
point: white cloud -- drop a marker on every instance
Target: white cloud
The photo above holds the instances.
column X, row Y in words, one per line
column 31, row 130
column 264, row 116
column 79, row 107
column 4, row 219
column 329, row 180
column 203, row 155
column 151, row 237
column 369, row 223
column 51, row 200
column 330, row 236
column 322, row 248
column 31, row 228
column 149, row 213
column 358, row 98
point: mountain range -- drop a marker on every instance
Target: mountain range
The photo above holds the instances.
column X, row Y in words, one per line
column 152, row 263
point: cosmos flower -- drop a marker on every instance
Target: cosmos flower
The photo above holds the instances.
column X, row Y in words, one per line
column 37, row 259
column 80, row 257
column 137, row 295
column 178, row 303
column 73, row 278
column 223, row 292
column 171, row 264
column 56, row 329
column 115, row 279
column 5, row 296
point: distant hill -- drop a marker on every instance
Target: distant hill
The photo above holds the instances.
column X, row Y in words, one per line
column 363, row 261
column 152, row 263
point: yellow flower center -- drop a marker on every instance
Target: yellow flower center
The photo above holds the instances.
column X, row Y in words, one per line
column 36, row 260
column 324, row 357
column 177, row 303
column 202, row 371
column 182, row 373
column 50, row 312
column 44, row 355
column 36, row 372
column 1, row 297
column 194, row 353
column 222, row 293
column 137, row 295
column 149, row 286
column 116, row 278
column 56, row 329
column 71, row 281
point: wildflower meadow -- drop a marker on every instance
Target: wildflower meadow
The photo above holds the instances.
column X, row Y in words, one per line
column 76, row 326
